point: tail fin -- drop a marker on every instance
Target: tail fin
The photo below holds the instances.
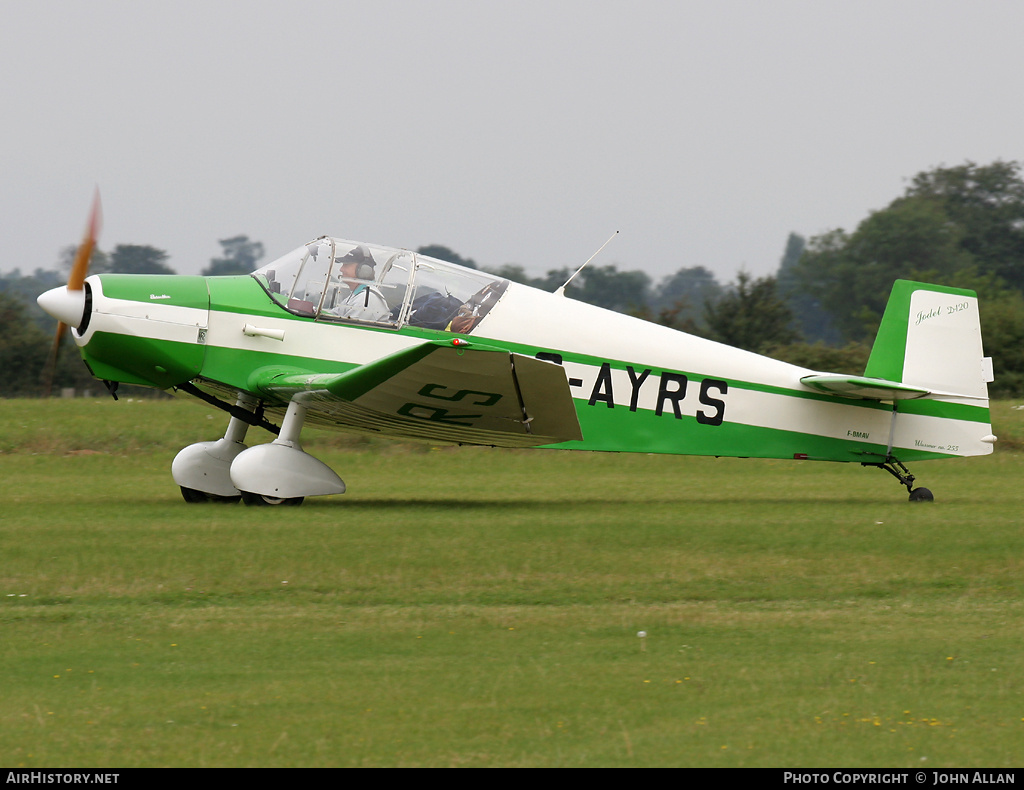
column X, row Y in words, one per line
column 927, row 359
column 930, row 338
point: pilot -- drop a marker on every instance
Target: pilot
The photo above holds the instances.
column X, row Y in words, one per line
column 364, row 302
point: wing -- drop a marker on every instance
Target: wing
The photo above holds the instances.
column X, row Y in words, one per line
column 438, row 391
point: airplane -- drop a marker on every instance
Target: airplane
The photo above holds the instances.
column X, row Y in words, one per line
column 388, row 342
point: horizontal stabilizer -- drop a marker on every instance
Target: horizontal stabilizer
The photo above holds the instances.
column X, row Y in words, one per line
column 863, row 387
column 872, row 389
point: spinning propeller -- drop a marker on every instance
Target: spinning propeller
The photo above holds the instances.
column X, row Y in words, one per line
column 67, row 304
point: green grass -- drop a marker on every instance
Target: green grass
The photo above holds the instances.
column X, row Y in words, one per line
column 473, row 607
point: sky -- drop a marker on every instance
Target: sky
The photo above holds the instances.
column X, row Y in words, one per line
column 519, row 131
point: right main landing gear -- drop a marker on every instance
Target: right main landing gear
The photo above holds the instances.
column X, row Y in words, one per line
column 894, row 467
column 282, row 473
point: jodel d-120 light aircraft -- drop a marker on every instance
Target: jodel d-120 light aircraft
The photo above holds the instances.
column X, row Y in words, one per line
column 384, row 341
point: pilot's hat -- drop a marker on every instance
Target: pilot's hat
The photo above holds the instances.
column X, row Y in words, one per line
column 359, row 254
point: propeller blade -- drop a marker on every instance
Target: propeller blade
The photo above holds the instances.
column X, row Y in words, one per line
column 80, row 268
column 76, row 282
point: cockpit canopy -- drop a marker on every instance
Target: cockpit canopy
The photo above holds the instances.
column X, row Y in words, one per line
column 336, row 280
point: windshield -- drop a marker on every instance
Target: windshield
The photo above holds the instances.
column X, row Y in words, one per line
column 336, row 280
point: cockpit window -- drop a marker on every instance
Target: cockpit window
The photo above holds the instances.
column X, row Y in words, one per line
column 446, row 296
column 335, row 280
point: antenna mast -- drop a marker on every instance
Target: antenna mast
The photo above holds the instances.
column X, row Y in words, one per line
column 561, row 290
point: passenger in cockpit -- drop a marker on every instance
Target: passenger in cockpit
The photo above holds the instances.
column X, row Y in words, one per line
column 364, row 302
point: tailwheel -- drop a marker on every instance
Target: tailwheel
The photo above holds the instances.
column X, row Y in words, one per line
column 262, row 500
column 192, row 496
column 893, row 466
column 921, row 495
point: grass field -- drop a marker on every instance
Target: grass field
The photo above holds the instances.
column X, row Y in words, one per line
column 476, row 607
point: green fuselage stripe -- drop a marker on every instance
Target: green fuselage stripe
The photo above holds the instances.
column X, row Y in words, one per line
column 629, row 430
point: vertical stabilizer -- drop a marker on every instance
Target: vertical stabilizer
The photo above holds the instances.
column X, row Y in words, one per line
column 930, row 337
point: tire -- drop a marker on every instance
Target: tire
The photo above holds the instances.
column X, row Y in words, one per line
column 921, row 495
column 193, row 497
column 260, row 500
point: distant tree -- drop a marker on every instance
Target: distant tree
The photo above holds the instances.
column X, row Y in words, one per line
column 986, row 203
column 678, row 299
column 955, row 226
column 556, row 278
column 604, row 286
column 851, row 274
column 98, row 264
column 851, row 358
column 25, row 289
column 696, row 283
column 443, row 253
column 681, row 316
column 810, row 319
column 138, row 259
column 240, row 256
column 1002, row 330
column 751, row 316
column 23, row 350
column 960, row 226
column 125, row 259
column 516, row 273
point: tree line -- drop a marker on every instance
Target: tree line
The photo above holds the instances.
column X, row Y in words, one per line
column 961, row 226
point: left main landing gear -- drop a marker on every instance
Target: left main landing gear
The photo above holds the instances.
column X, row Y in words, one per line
column 894, row 467
column 202, row 470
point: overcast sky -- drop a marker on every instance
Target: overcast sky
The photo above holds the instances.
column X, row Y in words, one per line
column 518, row 131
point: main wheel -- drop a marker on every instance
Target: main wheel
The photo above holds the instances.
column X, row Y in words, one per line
column 261, row 500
